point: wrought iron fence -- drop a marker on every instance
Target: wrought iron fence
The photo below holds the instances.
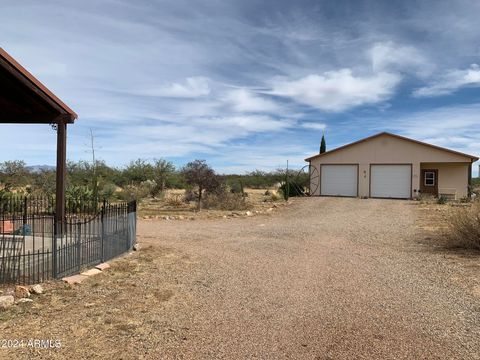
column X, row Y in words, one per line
column 35, row 248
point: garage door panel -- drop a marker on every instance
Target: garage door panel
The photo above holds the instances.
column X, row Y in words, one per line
column 390, row 181
column 339, row 180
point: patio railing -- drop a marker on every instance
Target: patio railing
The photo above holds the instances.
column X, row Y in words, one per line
column 35, row 248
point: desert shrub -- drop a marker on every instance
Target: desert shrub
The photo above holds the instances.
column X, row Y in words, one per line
column 291, row 189
column 108, row 191
column 476, row 182
column 274, row 197
column 464, row 228
column 134, row 192
column 224, row 201
column 175, row 200
column 442, row 199
column 236, row 187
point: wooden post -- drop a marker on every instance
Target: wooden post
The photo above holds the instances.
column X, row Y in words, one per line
column 61, row 174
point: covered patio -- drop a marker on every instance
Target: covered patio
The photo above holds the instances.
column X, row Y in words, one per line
column 39, row 240
column 25, row 100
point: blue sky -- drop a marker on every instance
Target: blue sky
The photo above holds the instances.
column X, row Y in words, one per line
column 245, row 84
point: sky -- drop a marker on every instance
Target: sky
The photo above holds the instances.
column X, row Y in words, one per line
column 245, row 84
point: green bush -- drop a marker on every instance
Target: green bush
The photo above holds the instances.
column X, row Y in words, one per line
column 442, row 199
column 236, row 187
column 108, row 191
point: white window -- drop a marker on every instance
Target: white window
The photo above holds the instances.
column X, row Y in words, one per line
column 429, row 178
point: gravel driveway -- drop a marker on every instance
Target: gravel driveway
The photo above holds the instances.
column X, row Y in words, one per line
column 325, row 278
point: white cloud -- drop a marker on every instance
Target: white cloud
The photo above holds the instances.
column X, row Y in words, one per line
column 314, row 126
column 192, row 87
column 338, row 90
column 454, row 127
column 387, row 56
column 450, row 82
column 243, row 100
column 238, row 126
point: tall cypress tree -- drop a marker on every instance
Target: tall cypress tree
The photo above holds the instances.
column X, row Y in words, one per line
column 323, row 145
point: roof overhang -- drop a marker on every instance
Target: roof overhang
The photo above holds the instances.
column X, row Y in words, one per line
column 25, row 100
column 472, row 158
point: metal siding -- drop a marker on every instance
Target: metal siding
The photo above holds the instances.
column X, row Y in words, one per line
column 339, row 180
column 391, row 181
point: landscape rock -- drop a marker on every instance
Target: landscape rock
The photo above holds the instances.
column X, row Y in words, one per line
column 74, row 279
column 21, row 292
column 91, row 272
column 24, row 300
column 6, row 301
column 248, row 213
column 136, row 247
column 103, row 266
column 36, row 289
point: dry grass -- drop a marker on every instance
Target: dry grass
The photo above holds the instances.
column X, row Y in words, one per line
column 226, row 201
column 464, row 228
column 174, row 206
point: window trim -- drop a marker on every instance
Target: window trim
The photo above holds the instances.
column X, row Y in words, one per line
column 433, row 178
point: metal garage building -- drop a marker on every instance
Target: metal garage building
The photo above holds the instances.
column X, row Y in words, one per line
column 386, row 165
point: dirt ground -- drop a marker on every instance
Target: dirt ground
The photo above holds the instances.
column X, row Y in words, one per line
column 323, row 278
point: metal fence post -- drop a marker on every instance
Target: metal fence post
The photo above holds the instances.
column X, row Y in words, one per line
column 102, row 230
column 25, row 214
column 79, row 244
column 54, row 247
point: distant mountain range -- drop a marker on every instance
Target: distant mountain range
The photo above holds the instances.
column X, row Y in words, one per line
column 39, row 168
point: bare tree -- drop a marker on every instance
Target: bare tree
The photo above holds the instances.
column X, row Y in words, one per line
column 94, row 164
column 198, row 173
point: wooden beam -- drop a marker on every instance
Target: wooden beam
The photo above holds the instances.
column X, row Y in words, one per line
column 34, row 118
column 61, row 175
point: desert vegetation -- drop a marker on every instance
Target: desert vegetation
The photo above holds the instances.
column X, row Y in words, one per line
column 156, row 184
column 453, row 225
column 463, row 227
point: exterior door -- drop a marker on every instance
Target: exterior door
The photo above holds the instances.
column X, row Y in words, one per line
column 429, row 182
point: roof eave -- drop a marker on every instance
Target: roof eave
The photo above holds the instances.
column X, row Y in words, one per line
column 473, row 158
column 56, row 102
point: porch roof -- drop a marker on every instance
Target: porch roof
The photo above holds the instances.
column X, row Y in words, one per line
column 25, row 100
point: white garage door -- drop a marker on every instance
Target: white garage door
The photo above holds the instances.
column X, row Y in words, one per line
column 339, row 180
column 390, row 181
